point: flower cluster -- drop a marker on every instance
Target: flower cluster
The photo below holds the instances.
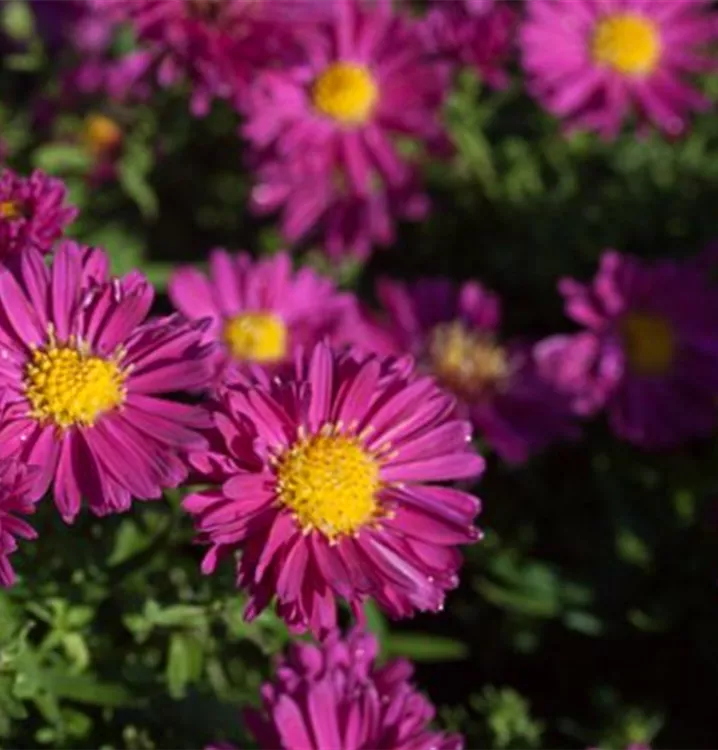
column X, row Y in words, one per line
column 341, row 101
column 326, row 466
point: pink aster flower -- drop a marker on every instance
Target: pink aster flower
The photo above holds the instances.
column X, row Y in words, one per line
column 313, row 204
column 479, row 35
column 454, row 335
column 261, row 311
column 592, row 62
column 15, row 483
column 326, row 483
column 335, row 116
column 649, row 351
column 333, row 695
column 83, row 376
column 33, row 213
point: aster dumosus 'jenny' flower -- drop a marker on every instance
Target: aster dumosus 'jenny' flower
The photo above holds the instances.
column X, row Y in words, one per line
column 649, row 352
column 83, row 375
column 33, row 213
column 326, row 485
column 15, row 483
column 215, row 45
column 454, row 334
column 479, row 35
column 593, row 62
column 261, row 310
column 333, row 117
column 333, row 695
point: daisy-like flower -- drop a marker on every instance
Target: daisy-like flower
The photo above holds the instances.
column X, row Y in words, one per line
column 214, row 45
column 313, row 203
column 479, row 35
column 362, row 83
column 83, row 375
column 33, row 213
column 593, row 62
column 649, row 352
column 261, row 311
column 15, row 483
column 333, row 695
column 326, row 484
column 454, row 334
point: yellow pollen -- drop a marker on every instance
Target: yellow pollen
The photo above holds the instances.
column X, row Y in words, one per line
column 68, row 386
column 10, row 210
column 256, row 336
column 330, row 483
column 650, row 343
column 101, row 134
column 627, row 42
column 346, row 92
column 467, row 362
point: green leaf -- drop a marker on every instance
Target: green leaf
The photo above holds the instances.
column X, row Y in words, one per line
column 424, row 647
column 61, row 158
column 184, row 663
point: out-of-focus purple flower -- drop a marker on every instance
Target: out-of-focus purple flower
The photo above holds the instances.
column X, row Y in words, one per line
column 648, row 352
column 326, row 126
column 216, row 47
column 454, row 334
column 316, row 203
column 592, row 63
column 326, row 480
column 474, row 33
column 68, row 22
column 333, row 696
column 33, row 213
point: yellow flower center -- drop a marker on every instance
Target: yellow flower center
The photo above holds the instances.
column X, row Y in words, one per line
column 329, row 482
column 10, row 210
column 101, row 134
column 650, row 343
column 467, row 362
column 628, row 43
column 346, row 92
column 68, row 386
column 256, row 336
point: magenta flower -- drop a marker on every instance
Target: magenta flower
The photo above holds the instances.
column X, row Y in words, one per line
column 214, row 45
column 479, row 35
column 33, row 213
column 15, row 483
column 454, row 335
column 649, row 351
column 261, row 310
column 335, row 117
column 313, row 204
column 333, row 695
column 592, row 63
column 83, row 376
column 326, row 485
